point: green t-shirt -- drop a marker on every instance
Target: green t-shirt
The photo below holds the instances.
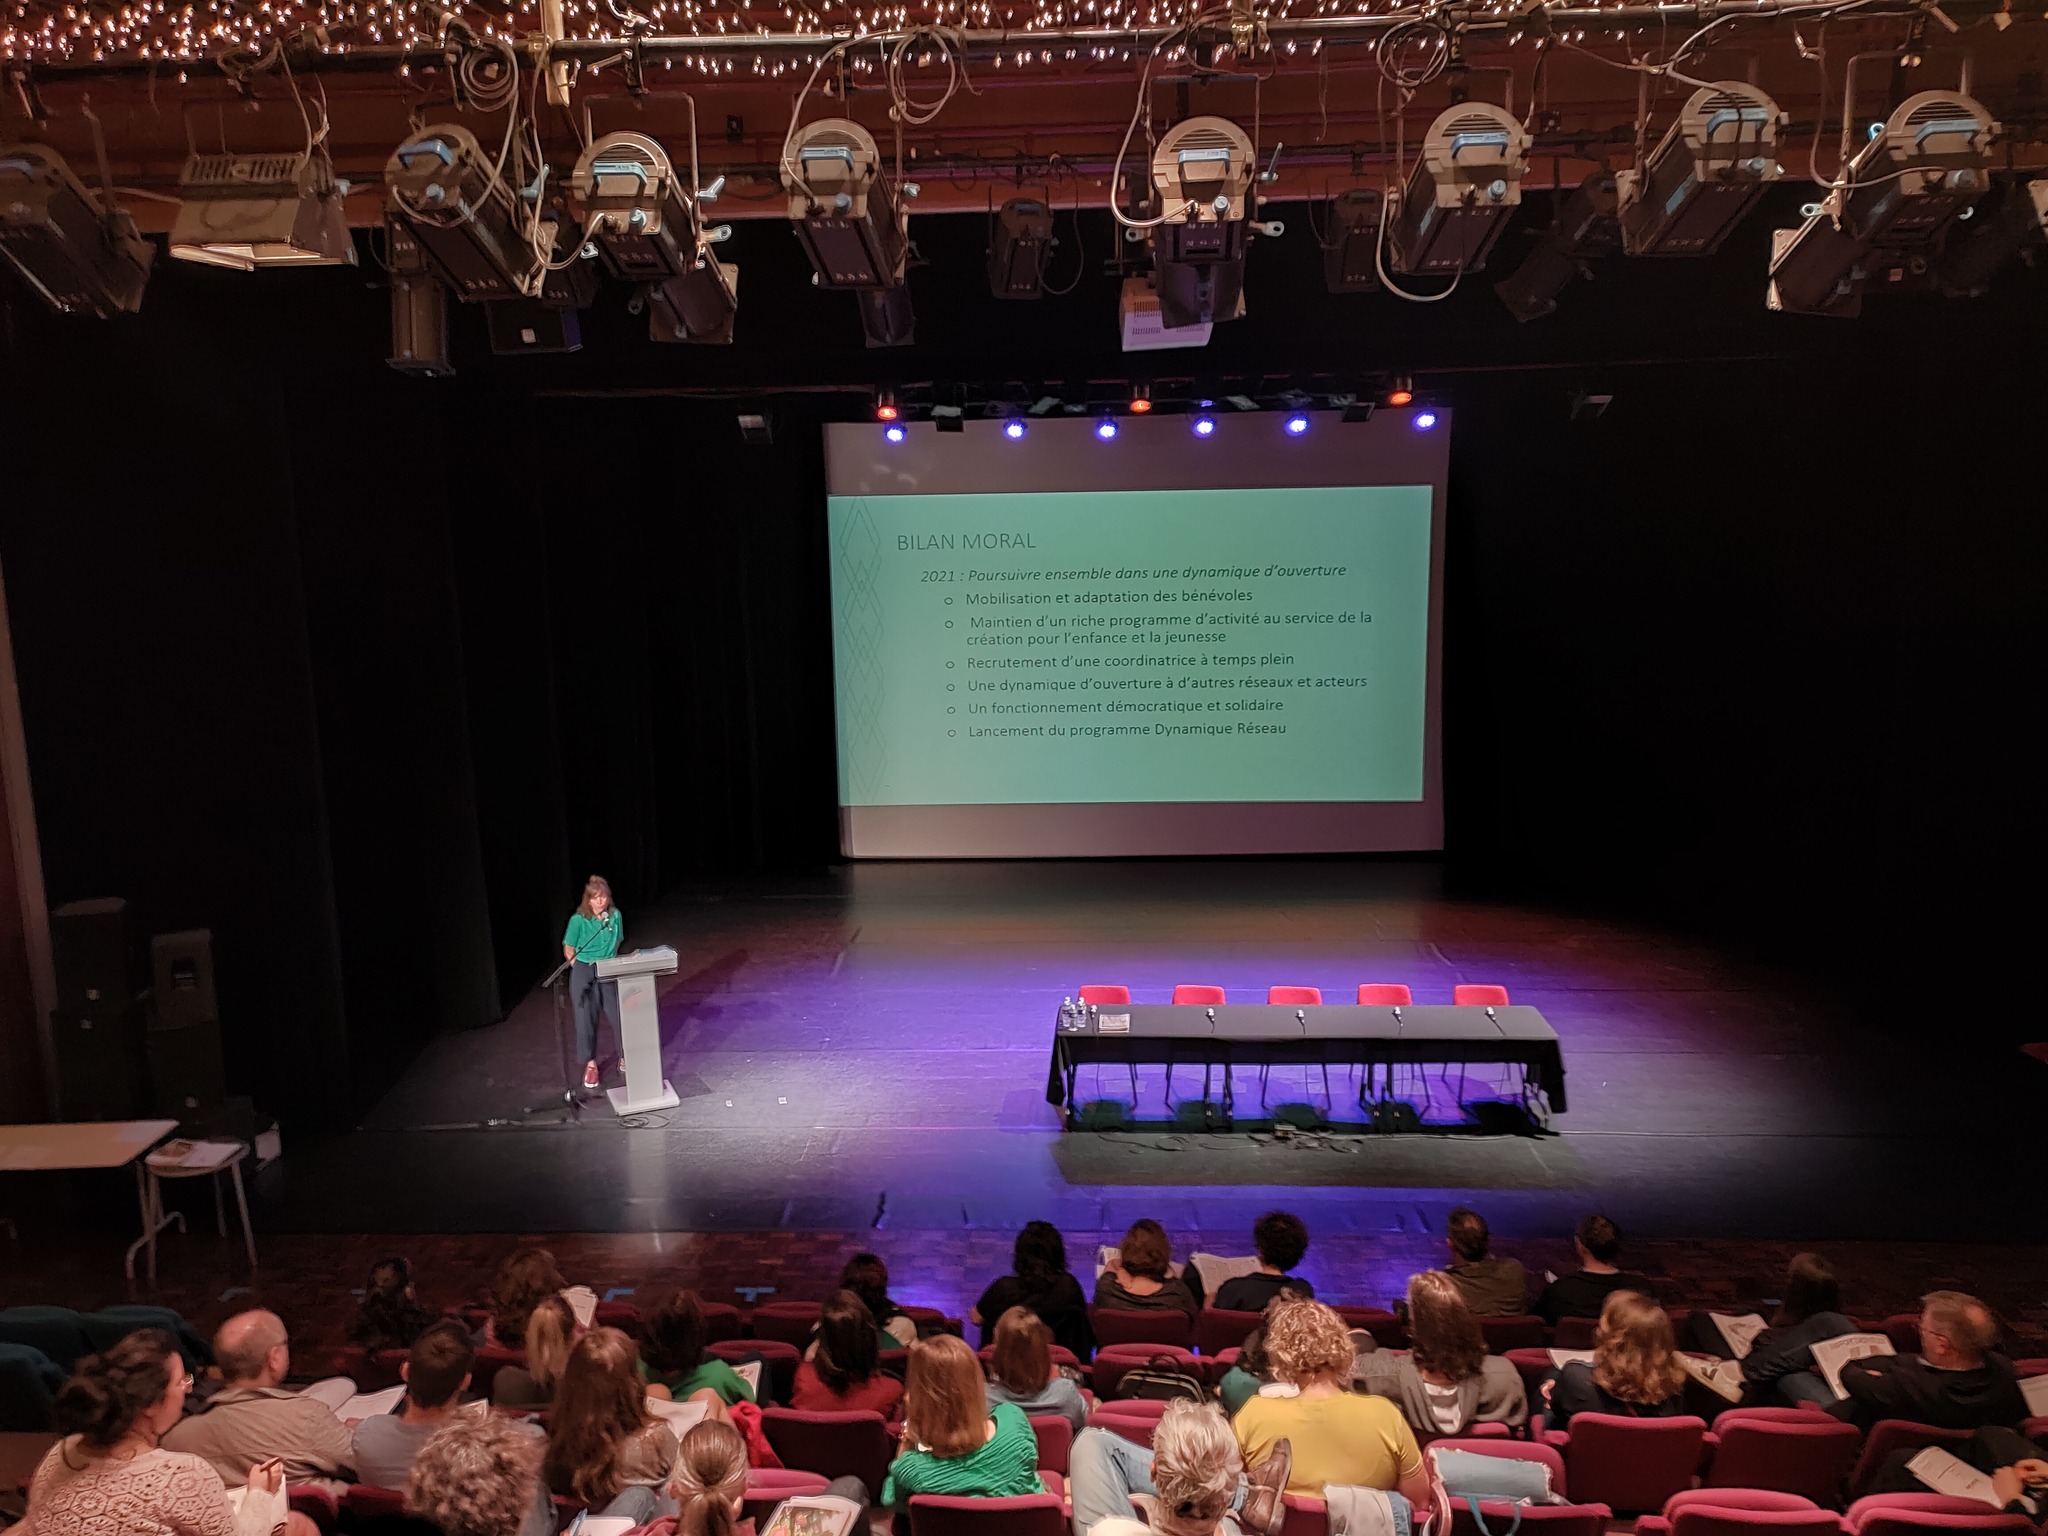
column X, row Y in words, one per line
column 713, row 1373
column 1003, row 1467
column 595, row 938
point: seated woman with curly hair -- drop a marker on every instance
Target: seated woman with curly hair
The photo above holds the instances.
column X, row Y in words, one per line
column 1445, row 1382
column 1635, row 1369
column 480, row 1476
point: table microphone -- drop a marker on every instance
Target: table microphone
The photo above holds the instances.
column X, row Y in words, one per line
column 1301, row 1018
column 1490, row 1013
column 1212, row 1014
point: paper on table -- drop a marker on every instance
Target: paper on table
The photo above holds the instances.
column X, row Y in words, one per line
column 2035, row 1390
column 1830, row 1355
column 1945, row 1473
column 582, row 1302
column 193, row 1154
column 1564, row 1357
column 1739, row 1333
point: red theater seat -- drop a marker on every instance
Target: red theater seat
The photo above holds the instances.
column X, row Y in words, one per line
column 1920, row 1514
column 832, row 1444
column 1470, row 995
column 1055, row 1442
column 1787, row 1450
column 1739, row 1512
column 1217, row 1330
column 1198, row 996
column 1889, row 1435
column 1113, row 1362
column 1037, row 1514
column 1105, row 994
column 769, row 1486
column 1112, row 1327
column 1384, row 994
column 1631, row 1464
column 1295, row 997
column 1506, row 1333
column 791, row 1322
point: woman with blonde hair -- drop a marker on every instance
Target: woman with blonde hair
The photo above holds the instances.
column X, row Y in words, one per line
column 709, row 1485
column 1334, row 1434
column 481, row 1477
column 596, row 929
column 1635, row 1369
column 551, row 1332
column 954, row 1442
column 1196, row 1473
column 1445, row 1382
column 602, row 1441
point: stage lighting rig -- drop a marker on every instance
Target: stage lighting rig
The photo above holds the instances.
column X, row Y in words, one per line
column 419, row 307
column 843, row 208
column 1882, row 225
column 2017, row 226
column 1466, row 186
column 646, row 227
column 1351, row 241
column 1020, row 243
column 1585, row 229
column 250, row 211
column 81, row 256
column 1204, row 181
column 1707, row 171
column 447, row 191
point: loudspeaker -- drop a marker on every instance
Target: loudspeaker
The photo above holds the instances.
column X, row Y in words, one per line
column 186, row 1071
column 100, row 1073
column 529, row 325
column 93, row 950
column 181, row 968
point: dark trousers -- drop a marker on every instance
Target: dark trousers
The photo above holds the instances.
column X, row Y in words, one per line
column 588, row 996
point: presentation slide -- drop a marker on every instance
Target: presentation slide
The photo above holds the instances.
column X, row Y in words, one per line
column 1114, row 669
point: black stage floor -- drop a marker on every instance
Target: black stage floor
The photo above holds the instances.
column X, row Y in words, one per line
column 869, row 1046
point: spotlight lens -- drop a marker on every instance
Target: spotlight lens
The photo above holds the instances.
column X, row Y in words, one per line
column 1013, row 430
column 1296, row 425
column 885, row 413
column 1140, row 406
column 1105, row 429
column 1400, row 397
column 893, row 433
column 1205, row 426
column 1424, row 420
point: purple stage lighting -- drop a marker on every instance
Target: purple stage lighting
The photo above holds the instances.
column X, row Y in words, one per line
column 1013, row 430
column 1424, row 420
column 1297, row 424
column 1205, row 426
column 893, row 432
column 1105, row 429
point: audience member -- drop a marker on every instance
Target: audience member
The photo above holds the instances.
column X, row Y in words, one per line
column 1280, row 1240
column 2015, row 1465
column 1955, row 1382
column 526, row 1279
column 1249, row 1371
column 601, row 1438
column 953, row 1441
column 110, row 1476
column 1334, row 1435
column 1191, row 1483
column 868, row 1278
column 674, row 1361
column 844, row 1374
column 479, row 1475
column 436, row 1372
column 1446, row 1381
column 551, row 1332
column 1022, row 1371
column 710, row 1486
column 1493, row 1286
column 1039, row 1280
column 1142, row 1279
column 1599, row 1275
column 1635, row 1367
column 389, row 1316
column 1779, row 1365
column 252, row 1418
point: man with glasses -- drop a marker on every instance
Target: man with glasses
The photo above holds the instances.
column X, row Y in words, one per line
column 252, row 1418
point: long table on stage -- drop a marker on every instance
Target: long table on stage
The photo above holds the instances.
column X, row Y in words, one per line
column 1261, row 1035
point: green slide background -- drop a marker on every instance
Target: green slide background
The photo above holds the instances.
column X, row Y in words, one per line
column 903, row 632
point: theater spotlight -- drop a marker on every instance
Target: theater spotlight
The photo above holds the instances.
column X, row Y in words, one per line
column 1020, row 243
column 80, row 256
column 1203, row 175
column 894, row 432
column 1707, row 172
column 645, row 225
column 419, row 308
column 1141, row 399
column 1424, row 420
column 1106, row 428
column 1403, row 390
column 1585, row 229
column 1882, row 226
column 842, row 207
column 885, row 405
column 1203, row 426
column 1013, row 429
column 1351, row 241
column 1296, row 423
column 448, row 191
column 250, row 211
column 1466, row 186
column 1974, row 253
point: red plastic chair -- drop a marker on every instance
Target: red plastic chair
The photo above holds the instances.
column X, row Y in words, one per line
column 371, row 1372
column 1135, row 1420
column 1198, row 996
column 1384, row 994
column 1387, row 1330
column 1295, row 997
column 1630, row 1464
column 1506, row 1333
column 1037, row 1514
column 1113, row 1362
column 832, row 1444
column 1887, row 1436
column 1217, row 1330
column 1472, row 995
column 769, row 1486
column 1106, row 995
column 1055, row 1441
column 778, row 1363
column 789, row 1322
column 1786, row 1450
column 1921, row 1514
column 1173, row 1329
column 1739, row 1512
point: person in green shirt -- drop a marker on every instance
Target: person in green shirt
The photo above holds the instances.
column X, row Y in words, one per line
column 595, row 931
column 953, row 1442
column 673, row 1356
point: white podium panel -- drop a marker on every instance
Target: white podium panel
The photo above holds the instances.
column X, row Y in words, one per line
column 640, row 1029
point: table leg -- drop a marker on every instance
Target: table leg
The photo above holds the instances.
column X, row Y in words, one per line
column 220, row 1210
column 242, row 1204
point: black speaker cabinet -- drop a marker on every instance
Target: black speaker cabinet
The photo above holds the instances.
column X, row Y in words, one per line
column 100, row 1071
column 181, row 973
column 186, row 1071
column 94, row 952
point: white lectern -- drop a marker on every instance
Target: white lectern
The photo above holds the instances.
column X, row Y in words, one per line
column 640, row 1029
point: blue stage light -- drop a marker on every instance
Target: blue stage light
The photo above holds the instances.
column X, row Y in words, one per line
column 1105, row 428
column 1013, row 430
column 893, row 432
column 1424, row 420
column 1205, row 426
column 1296, row 425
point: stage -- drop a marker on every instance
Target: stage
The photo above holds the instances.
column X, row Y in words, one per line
column 867, row 1048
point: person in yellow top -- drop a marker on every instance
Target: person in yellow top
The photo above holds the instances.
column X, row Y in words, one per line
column 1338, row 1436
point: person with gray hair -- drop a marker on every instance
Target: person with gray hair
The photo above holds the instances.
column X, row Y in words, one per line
column 1193, row 1483
column 252, row 1418
column 1957, row 1381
